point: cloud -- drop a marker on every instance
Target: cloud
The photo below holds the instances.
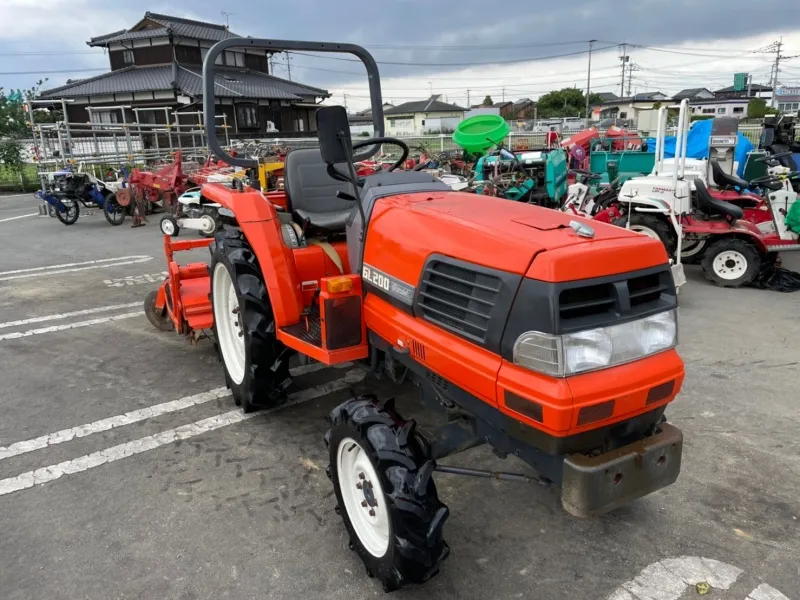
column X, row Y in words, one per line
column 418, row 31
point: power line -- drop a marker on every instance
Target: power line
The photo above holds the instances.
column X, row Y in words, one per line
column 467, row 64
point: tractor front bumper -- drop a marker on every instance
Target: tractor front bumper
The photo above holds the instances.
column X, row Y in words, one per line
column 593, row 485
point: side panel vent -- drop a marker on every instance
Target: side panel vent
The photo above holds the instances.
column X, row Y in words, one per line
column 417, row 350
column 458, row 299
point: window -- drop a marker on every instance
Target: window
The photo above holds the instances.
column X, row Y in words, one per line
column 127, row 57
column 234, row 59
column 709, row 111
column 247, row 116
column 623, row 115
column 738, row 110
column 722, row 110
column 299, row 125
column 105, row 116
column 393, row 121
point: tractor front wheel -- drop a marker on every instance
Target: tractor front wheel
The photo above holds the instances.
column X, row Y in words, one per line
column 381, row 472
column 256, row 363
column 731, row 262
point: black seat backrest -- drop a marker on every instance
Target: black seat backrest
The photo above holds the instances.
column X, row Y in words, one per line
column 309, row 187
column 711, row 206
column 722, row 179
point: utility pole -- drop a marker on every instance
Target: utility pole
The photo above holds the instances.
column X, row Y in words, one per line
column 624, row 58
column 775, row 71
column 749, row 84
column 589, row 78
column 345, row 101
column 289, row 65
column 504, row 94
column 468, row 99
column 631, row 68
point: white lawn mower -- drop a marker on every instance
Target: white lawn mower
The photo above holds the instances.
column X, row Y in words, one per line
column 192, row 211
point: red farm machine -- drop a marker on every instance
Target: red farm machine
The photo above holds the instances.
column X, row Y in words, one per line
column 549, row 337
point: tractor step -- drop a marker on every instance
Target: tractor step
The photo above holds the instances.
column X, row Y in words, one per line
column 309, row 332
column 333, row 330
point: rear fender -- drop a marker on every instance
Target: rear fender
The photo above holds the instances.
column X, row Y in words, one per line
column 259, row 222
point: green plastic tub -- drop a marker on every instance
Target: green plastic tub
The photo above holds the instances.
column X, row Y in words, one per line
column 481, row 132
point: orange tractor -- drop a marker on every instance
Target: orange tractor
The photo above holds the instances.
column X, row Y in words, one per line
column 548, row 337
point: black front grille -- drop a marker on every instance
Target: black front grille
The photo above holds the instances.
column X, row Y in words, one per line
column 614, row 299
column 458, row 299
column 646, row 288
column 585, row 301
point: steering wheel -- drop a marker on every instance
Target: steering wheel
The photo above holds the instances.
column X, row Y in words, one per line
column 386, row 140
column 768, row 181
column 769, row 157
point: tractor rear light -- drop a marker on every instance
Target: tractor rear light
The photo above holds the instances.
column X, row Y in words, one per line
column 338, row 285
column 598, row 348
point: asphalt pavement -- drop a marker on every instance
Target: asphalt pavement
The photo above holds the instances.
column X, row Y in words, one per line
column 127, row 472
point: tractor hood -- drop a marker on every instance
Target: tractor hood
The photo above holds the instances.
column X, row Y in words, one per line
column 500, row 234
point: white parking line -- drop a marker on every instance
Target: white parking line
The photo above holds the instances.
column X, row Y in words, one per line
column 134, row 416
column 76, row 313
column 103, row 263
column 115, row 453
column 668, row 579
column 52, row 328
column 18, row 217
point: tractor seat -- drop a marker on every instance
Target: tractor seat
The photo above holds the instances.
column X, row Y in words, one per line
column 311, row 192
column 722, row 179
column 711, row 206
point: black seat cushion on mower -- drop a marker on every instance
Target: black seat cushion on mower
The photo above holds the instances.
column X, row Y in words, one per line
column 311, row 192
column 711, row 206
column 722, row 179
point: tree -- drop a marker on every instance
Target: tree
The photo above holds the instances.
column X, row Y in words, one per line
column 11, row 154
column 757, row 108
column 487, row 101
column 12, row 116
column 566, row 102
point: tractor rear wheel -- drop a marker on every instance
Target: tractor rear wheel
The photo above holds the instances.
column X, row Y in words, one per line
column 731, row 262
column 653, row 227
column 381, row 472
column 256, row 364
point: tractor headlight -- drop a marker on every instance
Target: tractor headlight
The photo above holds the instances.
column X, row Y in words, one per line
column 571, row 353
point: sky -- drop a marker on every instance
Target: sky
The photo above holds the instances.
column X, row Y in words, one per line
column 508, row 50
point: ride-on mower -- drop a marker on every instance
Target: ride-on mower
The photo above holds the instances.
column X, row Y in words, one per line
column 549, row 337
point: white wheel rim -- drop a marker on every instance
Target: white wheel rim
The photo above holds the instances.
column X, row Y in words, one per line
column 730, row 265
column 208, row 224
column 229, row 327
column 363, row 497
column 645, row 231
column 167, row 227
column 693, row 248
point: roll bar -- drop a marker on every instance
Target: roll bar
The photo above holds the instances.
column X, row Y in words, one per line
column 209, row 73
